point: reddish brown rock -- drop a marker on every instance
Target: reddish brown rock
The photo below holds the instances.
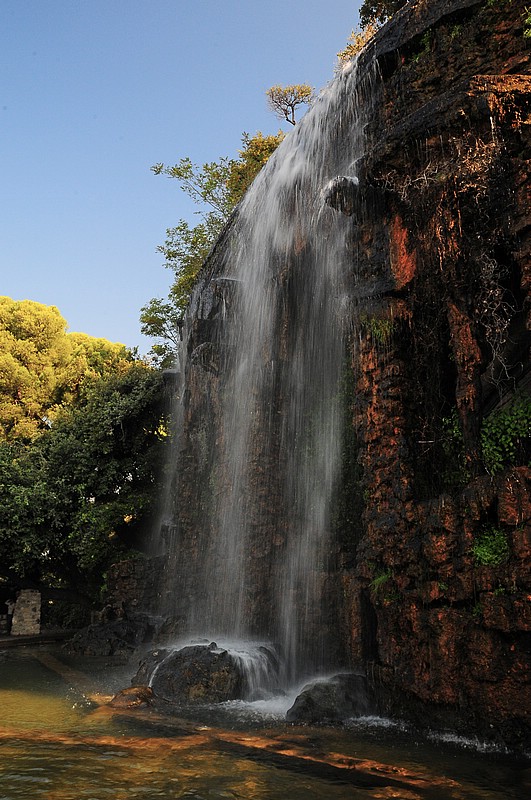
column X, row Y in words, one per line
column 450, row 145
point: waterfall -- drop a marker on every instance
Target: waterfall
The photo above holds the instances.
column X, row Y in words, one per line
column 262, row 541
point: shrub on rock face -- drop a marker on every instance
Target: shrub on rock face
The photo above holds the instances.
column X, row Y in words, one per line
column 194, row 675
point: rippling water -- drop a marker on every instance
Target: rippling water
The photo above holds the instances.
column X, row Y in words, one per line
column 58, row 744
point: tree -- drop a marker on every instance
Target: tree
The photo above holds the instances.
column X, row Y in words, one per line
column 33, row 350
column 163, row 320
column 185, row 249
column 374, row 11
column 256, row 151
column 283, row 100
column 216, row 187
column 73, row 500
column 206, row 185
column 42, row 367
column 90, row 358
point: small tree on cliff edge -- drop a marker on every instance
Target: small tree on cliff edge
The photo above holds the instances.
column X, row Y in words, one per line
column 373, row 11
column 283, row 100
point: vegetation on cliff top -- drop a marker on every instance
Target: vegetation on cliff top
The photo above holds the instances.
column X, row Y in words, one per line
column 374, row 11
column 283, row 100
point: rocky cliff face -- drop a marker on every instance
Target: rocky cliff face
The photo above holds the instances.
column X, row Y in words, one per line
column 438, row 361
column 430, row 565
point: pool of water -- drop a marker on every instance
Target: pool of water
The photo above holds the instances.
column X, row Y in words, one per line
column 59, row 741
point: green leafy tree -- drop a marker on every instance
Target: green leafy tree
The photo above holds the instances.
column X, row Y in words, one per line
column 216, row 188
column 256, row 151
column 79, row 496
column 33, row 350
column 24, row 511
column 205, row 185
column 186, row 248
column 89, row 359
column 162, row 320
column 283, row 100
column 42, row 367
column 372, row 11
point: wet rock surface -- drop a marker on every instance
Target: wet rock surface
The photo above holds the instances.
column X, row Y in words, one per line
column 117, row 637
column 197, row 674
column 133, row 697
column 332, row 700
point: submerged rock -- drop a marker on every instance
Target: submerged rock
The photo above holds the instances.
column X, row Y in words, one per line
column 332, row 700
column 133, row 697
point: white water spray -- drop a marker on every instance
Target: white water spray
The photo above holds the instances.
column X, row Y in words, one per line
column 265, row 534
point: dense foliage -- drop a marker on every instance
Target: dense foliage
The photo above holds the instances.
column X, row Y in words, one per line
column 506, row 436
column 356, row 42
column 74, row 499
column 505, row 442
column 491, row 548
column 81, row 439
column 43, row 368
column 372, row 11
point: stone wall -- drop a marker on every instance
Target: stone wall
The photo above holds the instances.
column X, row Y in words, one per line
column 27, row 614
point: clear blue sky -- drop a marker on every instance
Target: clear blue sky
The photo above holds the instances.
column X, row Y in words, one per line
column 93, row 92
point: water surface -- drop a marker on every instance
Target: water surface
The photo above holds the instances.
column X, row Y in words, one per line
column 57, row 743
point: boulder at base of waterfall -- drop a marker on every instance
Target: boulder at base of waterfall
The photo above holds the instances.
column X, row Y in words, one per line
column 332, row 700
column 149, row 664
column 195, row 674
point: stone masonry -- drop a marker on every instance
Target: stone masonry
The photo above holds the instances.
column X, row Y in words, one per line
column 27, row 614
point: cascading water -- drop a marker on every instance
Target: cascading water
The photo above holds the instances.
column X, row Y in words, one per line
column 261, row 540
